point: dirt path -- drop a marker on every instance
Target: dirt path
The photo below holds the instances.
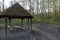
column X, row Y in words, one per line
column 45, row 34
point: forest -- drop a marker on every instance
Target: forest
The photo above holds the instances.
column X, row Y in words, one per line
column 43, row 22
column 44, row 11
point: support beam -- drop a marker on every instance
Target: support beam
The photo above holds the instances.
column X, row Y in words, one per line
column 22, row 23
column 6, row 27
column 10, row 22
column 28, row 23
column 31, row 23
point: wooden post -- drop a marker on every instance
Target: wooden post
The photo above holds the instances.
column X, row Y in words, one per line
column 22, row 28
column 22, row 23
column 9, row 22
column 6, row 27
column 31, row 23
column 28, row 23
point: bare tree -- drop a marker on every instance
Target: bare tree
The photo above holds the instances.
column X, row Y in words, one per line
column 3, row 5
column 14, row 1
column 0, row 6
column 11, row 3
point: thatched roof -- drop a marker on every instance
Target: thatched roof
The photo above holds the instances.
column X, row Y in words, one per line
column 16, row 11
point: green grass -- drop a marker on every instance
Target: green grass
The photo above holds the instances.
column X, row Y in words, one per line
column 1, row 27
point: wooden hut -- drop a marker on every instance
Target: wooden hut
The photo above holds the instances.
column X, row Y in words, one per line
column 16, row 11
